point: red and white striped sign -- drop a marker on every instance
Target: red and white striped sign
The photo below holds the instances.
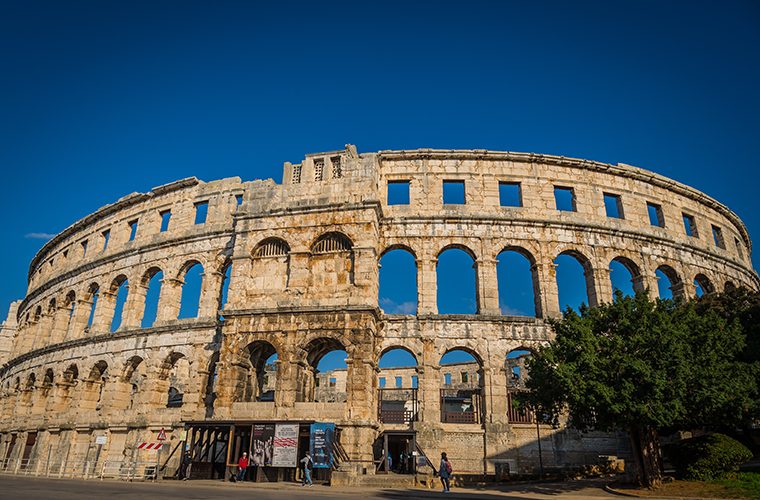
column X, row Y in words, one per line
column 149, row 446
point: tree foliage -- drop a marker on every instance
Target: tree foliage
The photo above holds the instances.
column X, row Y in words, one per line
column 645, row 366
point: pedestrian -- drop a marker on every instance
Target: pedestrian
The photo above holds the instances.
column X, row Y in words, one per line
column 242, row 466
column 185, row 466
column 307, row 464
column 444, row 470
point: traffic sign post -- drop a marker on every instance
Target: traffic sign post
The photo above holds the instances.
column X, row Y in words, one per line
column 160, row 438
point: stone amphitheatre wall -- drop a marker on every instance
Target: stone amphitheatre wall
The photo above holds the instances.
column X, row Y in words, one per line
column 304, row 259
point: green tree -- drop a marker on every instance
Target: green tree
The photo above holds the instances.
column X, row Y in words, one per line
column 641, row 366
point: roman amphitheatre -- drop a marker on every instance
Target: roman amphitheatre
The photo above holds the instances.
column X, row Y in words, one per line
column 110, row 344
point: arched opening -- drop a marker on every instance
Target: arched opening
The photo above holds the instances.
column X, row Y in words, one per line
column 92, row 296
column 70, row 304
column 120, row 287
column 462, row 387
column 702, row 285
column 153, row 280
column 327, row 371
column 175, row 378
column 332, row 261
column 258, row 375
column 518, row 282
column 574, row 280
column 667, row 280
column 457, row 282
column 95, row 386
column 623, row 276
column 47, row 380
column 729, row 286
column 134, row 376
column 271, row 265
column 517, row 376
column 397, row 386
column 192, row 284
column 398, row 282
column 71, row 374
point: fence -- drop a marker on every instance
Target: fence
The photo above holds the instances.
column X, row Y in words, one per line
column 89, row 469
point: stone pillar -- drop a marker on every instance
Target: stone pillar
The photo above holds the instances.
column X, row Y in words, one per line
column 79, row 320
column 495, row 391
column 429, row 383
column 427, row 288
column 169, row 300
column 488, row 287
column 299, row 270
column 134, row 308
column 104, row 310
column 285, row 385
column 43, row 329
column 598, row 285
column 366, row 269
column 361, row 385
column 546, row 274
column 60, row 323
column 211, row 290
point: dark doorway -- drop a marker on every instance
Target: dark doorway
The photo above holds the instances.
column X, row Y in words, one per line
column 396, row 452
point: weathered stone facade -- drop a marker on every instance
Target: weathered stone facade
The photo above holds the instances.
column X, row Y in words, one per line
column 304, row 280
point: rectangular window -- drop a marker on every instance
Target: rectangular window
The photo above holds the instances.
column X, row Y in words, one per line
column 337, row 170
column 415, row 381
column 84, row 248
column 718, row 237
column 739, row 249
column 564, row 197
column 201, row 212
column 453, row 193
column 399, row 382
column 319, row 169
column 382, row 382
column 655, row 215
column 690, row 225
column 465, row 377
column 296, row 174
column 333, row 381
column 398, row 192
column 510, row 194
column 166, row 215
column 239, row 199
column 132, row 230
column 447, row 379
column 613, row 204
column 106, row 236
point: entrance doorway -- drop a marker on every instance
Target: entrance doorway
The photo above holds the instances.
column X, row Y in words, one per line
column 396, row 451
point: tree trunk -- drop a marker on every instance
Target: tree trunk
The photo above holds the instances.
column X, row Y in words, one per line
column 645, row 442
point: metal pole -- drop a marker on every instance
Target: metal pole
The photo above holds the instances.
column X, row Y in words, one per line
column 540, row 455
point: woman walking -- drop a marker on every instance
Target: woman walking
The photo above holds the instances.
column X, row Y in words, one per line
column 444, row 470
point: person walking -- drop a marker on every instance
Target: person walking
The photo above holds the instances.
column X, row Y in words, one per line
column 444, row 470
column 307, row 464
column 242, row 466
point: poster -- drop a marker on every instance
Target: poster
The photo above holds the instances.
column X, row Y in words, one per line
column 321, row 443
column 263, row 442
column 285, row 445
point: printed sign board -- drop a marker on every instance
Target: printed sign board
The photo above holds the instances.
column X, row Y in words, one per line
column 263, row 444
column 321, row 444
column 161, row 435
column 101, row 439
column 285, row 445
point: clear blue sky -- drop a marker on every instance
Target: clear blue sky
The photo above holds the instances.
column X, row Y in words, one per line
column 100, row 99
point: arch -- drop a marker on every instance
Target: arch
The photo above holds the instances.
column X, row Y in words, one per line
column 98, row 371
column 461, row 370
column 457, row 281
column 93, row 292
column 47, row 380
column 625, row 276
column 71, row 374
column 152, row 280
column 119, row 286
column 575, row 281
column 271, row 247
column 31, row 380
column 518, row 282
column 51, row 306
column 37, row 313
column 191, row 275
column 324, row 379
column 175, row 377
column 729, row 286
column 134, row 375
column 258, row 375
column 226, row 273
column 703, row 285
column 517, row 371
column 331, row 242
column 397, row 293
column 396, row 357
column 668, row 282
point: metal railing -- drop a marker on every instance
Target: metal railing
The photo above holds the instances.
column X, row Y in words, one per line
column 397, row 405
column 517, row 414
column 82, row 469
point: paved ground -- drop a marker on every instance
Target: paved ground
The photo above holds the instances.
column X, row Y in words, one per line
column 12, row 487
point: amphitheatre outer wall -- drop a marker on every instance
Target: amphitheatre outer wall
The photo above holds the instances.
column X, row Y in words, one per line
column 299, row 266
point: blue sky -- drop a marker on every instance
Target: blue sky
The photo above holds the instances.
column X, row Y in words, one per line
column 100, row 99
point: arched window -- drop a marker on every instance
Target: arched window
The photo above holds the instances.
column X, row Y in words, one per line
column 332, row 243
column 397, row 293
column 260, row 373
column 70, row 304
column 667, row 279
column 326, row 377
column 461, row 388
column 271, row 266
column 121, row 287
column 517, row 283
column 574, row 280
column 271, row 247
column 517, row 376
column 176, row 375
column 702, row 285
column 332, row 262
column 134, row 376
column 153, row 279
column 457, row 282
column 224, row 291
column 397, row 382
column 191, row 290
column 94, row 293
column 623, row 273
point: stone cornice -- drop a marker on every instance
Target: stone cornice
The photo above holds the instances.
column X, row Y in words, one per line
column 620, row 169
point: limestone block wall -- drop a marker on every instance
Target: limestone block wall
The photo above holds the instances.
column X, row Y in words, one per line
column 299, row 262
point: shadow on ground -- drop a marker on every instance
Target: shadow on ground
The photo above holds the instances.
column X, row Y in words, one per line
column 589, row 487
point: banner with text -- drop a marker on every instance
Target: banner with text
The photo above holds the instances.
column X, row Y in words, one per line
column 263, row 442
column 321, row 444
column 285, row 445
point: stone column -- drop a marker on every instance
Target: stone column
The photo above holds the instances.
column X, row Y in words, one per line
column 488, row 287
column 361, row 385
column 427, row 288
column 299, row 270
column 134, row 308
column 79, row 320
column 429, row 383
column 169, row 300
column 104, row 310
column 42, row 334
column 598, row 285
column 546, row 274
column 211, row 290
column 60, row 325
column 285, row 385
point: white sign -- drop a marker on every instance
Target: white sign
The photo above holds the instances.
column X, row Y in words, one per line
column 161, row 435
column 101, row 439
column 285, row 445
